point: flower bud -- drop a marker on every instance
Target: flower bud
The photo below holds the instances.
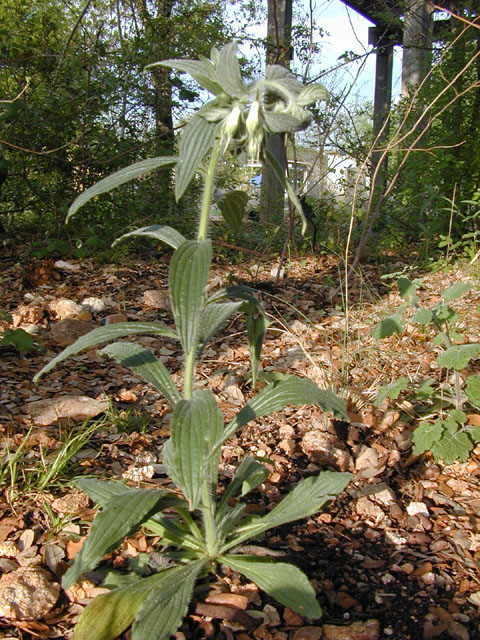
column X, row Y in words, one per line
column 253, row 118
column 231, row 122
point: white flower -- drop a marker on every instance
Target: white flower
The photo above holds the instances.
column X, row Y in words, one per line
column 253, row 118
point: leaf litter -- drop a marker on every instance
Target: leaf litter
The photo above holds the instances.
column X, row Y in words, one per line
column 398, row 555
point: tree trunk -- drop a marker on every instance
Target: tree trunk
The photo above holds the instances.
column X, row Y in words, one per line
column 279, row 51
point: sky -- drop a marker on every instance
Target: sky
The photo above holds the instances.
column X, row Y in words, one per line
column 346, row 30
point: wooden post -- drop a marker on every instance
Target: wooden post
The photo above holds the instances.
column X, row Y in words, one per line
column 417, row 43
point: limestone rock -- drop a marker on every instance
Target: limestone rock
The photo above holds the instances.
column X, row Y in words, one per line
column 361, row 630
column 46, row 412
column 94, row 305
column 156, row 299
column 62, row 308
column 28, row 593
column 326, row 449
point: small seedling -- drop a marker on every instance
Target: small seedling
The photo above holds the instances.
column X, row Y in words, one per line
column 449, row 437
column 204, row 530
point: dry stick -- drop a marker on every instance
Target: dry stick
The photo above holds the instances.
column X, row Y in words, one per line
column 396, row 140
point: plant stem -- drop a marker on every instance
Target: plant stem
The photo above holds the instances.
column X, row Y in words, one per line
column 207, row 193
column 209, row 522
column 448, row 343
column 188, row 375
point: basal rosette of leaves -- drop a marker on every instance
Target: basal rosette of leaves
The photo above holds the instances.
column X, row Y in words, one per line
column 200, row 531
column 449, row 436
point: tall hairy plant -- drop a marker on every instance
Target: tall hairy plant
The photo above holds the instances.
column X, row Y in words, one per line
column 204, row 531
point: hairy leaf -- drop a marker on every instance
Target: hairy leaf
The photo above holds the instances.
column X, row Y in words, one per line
column 118, row 519
column 163, row 610
column 232, row 205
column 453, row 445
column 407, row 288
column 228, row 71
column 144, row 364
column 198, row 69
column 307, row 498
column 423, row 316
column 107, row 334
column 281, row 580
column 425, row 435
column 455, row 291
column 197, row 139
column 285, row 78
column 196, row 425
column 276, row 396
column 214, row 315
column 272, row 161
column 257, row 325
column 472, row 389
column 392, row 390
column 159, row 232
column 311, row 93
column 120, row 177
column 188, row 276
column 110, row 614
column 249, row 474
column 388, row 326
column 278, row 122
column 459, row 356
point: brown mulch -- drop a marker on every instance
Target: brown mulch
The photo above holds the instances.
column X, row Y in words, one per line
column 396, row 556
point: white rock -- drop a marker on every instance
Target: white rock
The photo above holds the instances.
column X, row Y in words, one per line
column 416, row 508
column 62, row 308
column 156, row 299
column 94, row 305
column 28, row 593
column 66, row 266
column 46, row 412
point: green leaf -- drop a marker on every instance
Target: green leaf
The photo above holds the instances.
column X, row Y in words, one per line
column 455, row 291
column 144, row 364
column 311, row 93
column 443, row 313
column 425, row 435
column 453, row 445
column 279, row 122
column 276, row 396
column 17, row 338
column 425, row 390
column 197, row 139
column 159, row 232
column 458, row 356
column 196, row 425
column 460, row 417
column 189, row 269
column 285, row 78
column 234, row 291
column 423, row 316
column 213, row 316
column 391, row 390
column 388, row 326
column 106, row 334
column 120, row 177
column 284, row 582
column 272, row 161
column 257, row 325
column 118, row 519
column 307, row 498
column 249, row 474
column 108, row 615
column 101, row 491
column 199, row 70
column 472, row 389
column 232, row 205
column 406, row 288
column 166, row 605
column 228, row 71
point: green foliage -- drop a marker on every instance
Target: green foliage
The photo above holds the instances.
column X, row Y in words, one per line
column 19, row 339
column 238, row 117
column 449, row 438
